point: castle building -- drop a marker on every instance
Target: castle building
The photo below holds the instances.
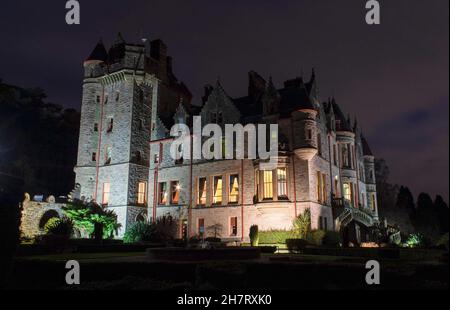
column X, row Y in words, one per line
column 131, row 99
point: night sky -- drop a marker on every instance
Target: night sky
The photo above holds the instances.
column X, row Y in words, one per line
column 394, row 76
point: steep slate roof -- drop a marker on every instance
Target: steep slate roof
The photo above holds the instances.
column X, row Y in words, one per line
column 366, row 148
column 294, row 96
column 98, row 53
column 339, row 115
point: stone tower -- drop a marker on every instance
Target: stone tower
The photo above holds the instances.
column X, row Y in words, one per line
column 123, row 90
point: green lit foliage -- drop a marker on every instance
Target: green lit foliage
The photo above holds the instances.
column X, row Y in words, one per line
column 302, row 224
column 86, row 215
column 415, row 240
column 50, row 223
column 316, row 237
column 163, row 229
column 275, row 236
column 60, row 227
column 254, row 235
column 139, row 232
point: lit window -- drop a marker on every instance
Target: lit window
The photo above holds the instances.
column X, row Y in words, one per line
column 201, row 227
column 105, row 197
column 233, row 226
column 162, row 193
column 347, row 191
column 234, row 188
column 373, row 203
column 142, row 192
column 217, row 191
column 202, row 191
column 268, row 184
column 175, row 192
column 282, row 183
column 156, row 158
column 324, row 188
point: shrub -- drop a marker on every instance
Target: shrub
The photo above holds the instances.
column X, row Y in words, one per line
column 415, row 240
column 50, row 223
column 274, row 236
column 138, row 232
column 332, row 238
column 162, row 230
column 443, row 242
column 254, row 235
column 296, row 245
column 302, row 224
column 61, row 227
column 316, row 237
column 166, row 228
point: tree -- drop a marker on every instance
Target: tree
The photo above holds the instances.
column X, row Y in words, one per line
column 442, row 214
column 88, row 216
column 404, row 211
column 425, row 220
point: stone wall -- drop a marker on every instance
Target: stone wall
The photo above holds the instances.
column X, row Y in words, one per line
column 36, row 214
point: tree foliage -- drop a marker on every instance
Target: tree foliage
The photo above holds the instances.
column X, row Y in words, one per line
column 302, row 224
column 85, row 215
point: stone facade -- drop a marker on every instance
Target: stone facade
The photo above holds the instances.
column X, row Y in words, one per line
column 130, row 101
column 36, row 214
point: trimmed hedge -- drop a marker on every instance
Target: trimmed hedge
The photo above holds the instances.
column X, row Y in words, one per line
column 274, row 236
column 296, row 245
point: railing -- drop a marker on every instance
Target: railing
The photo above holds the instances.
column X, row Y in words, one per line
column 349, row 213
column 396, row 238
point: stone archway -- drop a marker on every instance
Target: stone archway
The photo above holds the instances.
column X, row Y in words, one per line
column 36, row 214
column 47, row 216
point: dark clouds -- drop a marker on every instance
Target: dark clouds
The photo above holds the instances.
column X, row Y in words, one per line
column 394, row 76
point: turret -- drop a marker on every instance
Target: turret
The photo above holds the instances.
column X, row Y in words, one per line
column 303, row 121
column 94, row 64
